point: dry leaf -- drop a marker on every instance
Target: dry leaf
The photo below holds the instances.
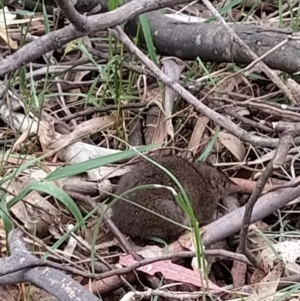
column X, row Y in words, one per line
column 241, row 111
column 257, row 276
column 266, row 289
column 104, row 286
column 149, row 251
column 231, row 83
column 292, row 268
column 288, row 251
column 238, row 273
column 155, row 129
column 171, row 271
column 186, row 240
column 160, row 133
column 10, row 18
column 19, row 121
column 233, row 144
column 20, row 140
column 6, row 38
column 80, row 151
column 173, row 70
column 6, row 17
column 34, row 220
column 71, row 245
column 86, row 128
column 197, row 134
column 46, row 134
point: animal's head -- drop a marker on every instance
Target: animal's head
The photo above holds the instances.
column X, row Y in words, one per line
column 218, row 181
column 222, row 183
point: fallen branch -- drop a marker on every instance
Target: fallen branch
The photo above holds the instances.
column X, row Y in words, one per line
column 231, row 222
column 57, row 39
column 56, row 283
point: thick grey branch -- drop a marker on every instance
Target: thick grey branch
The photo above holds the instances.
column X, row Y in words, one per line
column 56, row 283
column 231, row 222
column 212, row 42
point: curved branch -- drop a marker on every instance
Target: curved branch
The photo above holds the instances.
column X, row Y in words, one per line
column 56, row 283
column 56, row 39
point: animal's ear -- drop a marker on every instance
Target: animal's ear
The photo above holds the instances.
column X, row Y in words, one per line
column 214, row 179
column 209, row 164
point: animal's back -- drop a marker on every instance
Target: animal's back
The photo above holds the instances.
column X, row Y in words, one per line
column 146, row 172
column 137, row 222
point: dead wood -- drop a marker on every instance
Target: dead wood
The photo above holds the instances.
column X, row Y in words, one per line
column 21, row 266
column 212, row 42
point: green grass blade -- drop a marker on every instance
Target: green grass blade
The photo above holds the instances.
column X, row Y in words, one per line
column 52, row 190
column 148, row 37
column 96, row 162
column 66, row 235
column 210, row 145
column 5, row 215
column 22, row 167
column 113, row 4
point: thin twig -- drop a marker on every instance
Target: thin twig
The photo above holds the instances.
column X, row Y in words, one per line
column 285, row 141
column 248, row 213
column 80, row 22
column 105, row 109
column 227, row 124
